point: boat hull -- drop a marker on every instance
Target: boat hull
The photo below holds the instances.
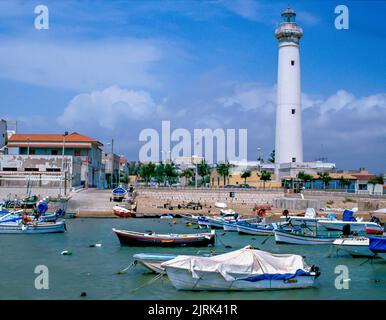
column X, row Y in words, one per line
column 354, row 246
column 213, row 281
column 227, row 226
column 286, row 237
column 11, row 228
column 369, row 227
column 153, row 261
column 256, row 231
column 139, row 239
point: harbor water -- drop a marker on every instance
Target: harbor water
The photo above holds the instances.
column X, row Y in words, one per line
column 94, row 269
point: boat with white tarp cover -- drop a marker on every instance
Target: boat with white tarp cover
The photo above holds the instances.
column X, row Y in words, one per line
column 244, row 269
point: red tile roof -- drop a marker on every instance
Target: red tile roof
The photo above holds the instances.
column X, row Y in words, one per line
column 364, row 176
column 72, row 137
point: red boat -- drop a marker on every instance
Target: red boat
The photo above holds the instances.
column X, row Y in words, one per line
column 123, row 212
column 165, row 240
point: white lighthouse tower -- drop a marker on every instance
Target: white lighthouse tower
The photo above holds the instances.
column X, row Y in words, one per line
column 289, row 139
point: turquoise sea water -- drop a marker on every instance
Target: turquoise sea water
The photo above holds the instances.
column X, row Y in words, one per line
column 94, row 269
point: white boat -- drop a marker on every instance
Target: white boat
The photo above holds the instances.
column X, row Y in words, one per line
column 310, row 218
column 231, row 225
column 244, row 269
column 362, row 246
column 17, row 227
column 355, row 246
column 257, row 229
column 301, row 237
column 355, row 226
column 153, row 261
column 217, row 222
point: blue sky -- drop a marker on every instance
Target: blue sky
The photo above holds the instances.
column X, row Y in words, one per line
column 109, row 69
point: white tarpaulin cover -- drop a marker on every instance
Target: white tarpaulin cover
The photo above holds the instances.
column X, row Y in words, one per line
column 245, row 261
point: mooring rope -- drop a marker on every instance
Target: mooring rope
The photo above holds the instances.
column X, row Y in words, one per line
column 158, row 276
column 130, row 266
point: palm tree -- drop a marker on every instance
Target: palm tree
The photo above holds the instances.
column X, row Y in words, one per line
column 377, row 180
column 171, row 172
column 246, row 174
column 203, row 169
column 188, row 174
column 147, row 171
column 305, row 177
column 344, row 182
column 272, row 157
column 159, row 173
column 325, row 177
column 265, row 176
column 223, row 169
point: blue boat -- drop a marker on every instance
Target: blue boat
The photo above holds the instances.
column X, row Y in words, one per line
column 118, row 194
column 377, row 245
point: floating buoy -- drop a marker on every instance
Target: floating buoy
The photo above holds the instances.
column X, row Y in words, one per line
column 174, row 222
column 95, row 245
column 66, row 253
column 189, row 224
column 83, row 294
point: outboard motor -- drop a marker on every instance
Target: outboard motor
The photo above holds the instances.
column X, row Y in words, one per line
column 346, row 230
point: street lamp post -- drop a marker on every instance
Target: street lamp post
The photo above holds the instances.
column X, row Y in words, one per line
column 167, row 158
column 62, row 169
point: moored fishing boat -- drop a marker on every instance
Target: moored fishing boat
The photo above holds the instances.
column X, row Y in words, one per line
column 152, row 261
column 310, row 218
column 244, row 269
column 355, row 246
column 122, row 212
column 134, row 238
column 118, row 194
column 17, row 227
column 257, row 229
column 356, row 225
column 299, row 236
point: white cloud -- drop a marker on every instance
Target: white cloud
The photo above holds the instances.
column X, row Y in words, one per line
column 106, row 108
column 248, row 9
column 250, row 97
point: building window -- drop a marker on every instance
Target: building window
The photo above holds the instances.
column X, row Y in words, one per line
column 77, row 153
column 53, row 169
column 292, row 62
column 32, row 151
column 293, row 159
column 31, row 169
column 9, row 169
column 293, row 111
column 54, row 152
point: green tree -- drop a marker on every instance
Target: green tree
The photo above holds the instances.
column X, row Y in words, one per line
column 188, row 174
column 376, row 180
column 325, row 177
column 160, row 174
column 344, row 182
column 147, row 171
column 272, row 157
column 171, row 173
column 305, row 177
column 223, row 169
column 265, row 176
column 245, row 175
column 203, row 169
